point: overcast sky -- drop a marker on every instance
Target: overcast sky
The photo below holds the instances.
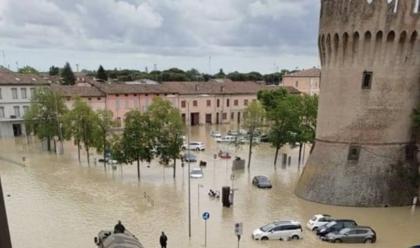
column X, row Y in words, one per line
column 243, row 35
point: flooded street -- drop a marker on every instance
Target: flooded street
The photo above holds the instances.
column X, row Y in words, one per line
column 56, row 202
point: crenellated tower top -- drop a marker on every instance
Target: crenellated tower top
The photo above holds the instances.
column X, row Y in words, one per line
column 384, row 15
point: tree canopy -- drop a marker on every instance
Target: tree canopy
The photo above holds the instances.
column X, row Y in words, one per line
column 28, row 70
column 101, row 74
column 54, row 71
column 254, row 116
column 68, row 75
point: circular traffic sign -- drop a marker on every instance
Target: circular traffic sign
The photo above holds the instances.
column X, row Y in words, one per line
column 206, row 215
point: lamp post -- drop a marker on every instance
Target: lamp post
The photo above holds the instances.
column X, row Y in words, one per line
column 189, row 171
column 198, row 196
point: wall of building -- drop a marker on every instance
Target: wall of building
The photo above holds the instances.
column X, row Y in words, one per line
column 307, row 85
column 375, row 122
column 8, row 115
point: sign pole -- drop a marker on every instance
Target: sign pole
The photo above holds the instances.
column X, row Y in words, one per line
column 205, row 233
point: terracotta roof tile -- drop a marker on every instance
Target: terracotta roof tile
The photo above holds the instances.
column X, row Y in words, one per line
column 313, row 72
column 8, row 77
column 77, row 91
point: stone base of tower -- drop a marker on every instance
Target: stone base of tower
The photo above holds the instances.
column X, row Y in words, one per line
column 382, row 176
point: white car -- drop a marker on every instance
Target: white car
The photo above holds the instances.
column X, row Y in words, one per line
column 195, row 146
column 215, row 134
column 227, row 138
column 279, row 230
column 196, row 173
column 318, row 220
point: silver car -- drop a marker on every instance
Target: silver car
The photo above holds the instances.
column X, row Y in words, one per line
column 357, row 234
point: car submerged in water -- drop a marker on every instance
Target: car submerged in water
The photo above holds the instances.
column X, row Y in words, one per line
column 109, row 239
column 358, row 234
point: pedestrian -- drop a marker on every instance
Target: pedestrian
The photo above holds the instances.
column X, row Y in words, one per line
column 163, row 240
column 119, row 228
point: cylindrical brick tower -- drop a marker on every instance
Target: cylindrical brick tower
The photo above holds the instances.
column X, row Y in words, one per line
column 365, row 153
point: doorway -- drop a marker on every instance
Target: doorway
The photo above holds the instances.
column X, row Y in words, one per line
column 17, row 130
column 195, row 119
column 217, row 118
column 208, row 119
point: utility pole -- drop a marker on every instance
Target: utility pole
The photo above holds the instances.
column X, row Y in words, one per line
column 5, row 241
column 189, row 176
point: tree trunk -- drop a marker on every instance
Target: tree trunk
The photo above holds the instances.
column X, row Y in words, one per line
column 78, row 150
column 251, row 139
column 174, row 167
column 87, row 154
column 104, row 150
column 276, row 156
column 300, row 152
column 138, row 169
column 49, row 143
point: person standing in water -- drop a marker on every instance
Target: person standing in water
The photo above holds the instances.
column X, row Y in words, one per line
column 163, row 240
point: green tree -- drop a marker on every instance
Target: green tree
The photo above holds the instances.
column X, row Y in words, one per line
column 28, row 70
column 54, row 71
column 308, row 111
column 101, row 74
column 68, row 75
column 254, row 116
column 220, row 74
column 137, row 142
column 284, row 120
column 169, row 128
column 44, row 117
column 83, row 124
column 105, row 123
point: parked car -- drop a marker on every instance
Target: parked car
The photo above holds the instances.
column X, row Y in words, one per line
column 262, row 182
column 195, row 146
column 335, row 226
column 188, row 157
column 279, row 230
column 227, row 138
column 233, row 133
column 358, row 234
column 107, row 160
column 264, row 138
column 215, row 134
column 196, row 173
column 318, row 220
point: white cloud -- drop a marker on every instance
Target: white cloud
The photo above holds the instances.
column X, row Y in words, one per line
column 177, row 28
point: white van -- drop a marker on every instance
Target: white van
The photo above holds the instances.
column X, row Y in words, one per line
column 279, row 230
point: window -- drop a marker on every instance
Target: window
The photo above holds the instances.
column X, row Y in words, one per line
column 227, row 102
column 98, row 98
column 367, row 80
column 195, row 103
column 14, row 93
column 354, row 152
column 89, row 98
column 232, row 115
column 1, row 112
column 235, row 102
column 32, row 92
column 218, row 102
column 25, row 109
column 17, row 111
column 208, row 103
column 183, row 104
column 0, row 94
column 246, row 102
column 224, row 116
column 23, row 93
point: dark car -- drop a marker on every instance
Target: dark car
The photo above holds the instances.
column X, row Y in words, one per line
column 262, row 182
column 335, row 226
column 357, row 234
column 188, row 157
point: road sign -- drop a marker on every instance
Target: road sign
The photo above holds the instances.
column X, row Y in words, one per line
column 206, row 215
column 238, row 229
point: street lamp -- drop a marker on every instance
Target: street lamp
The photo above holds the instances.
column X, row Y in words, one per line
column 198, row 197
column 189, row 175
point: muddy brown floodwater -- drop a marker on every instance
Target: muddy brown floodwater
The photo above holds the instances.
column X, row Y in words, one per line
column 56, row 202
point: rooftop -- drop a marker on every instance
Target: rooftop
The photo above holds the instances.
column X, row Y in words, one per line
column 313, row 72
column 77, row 91
column 8, row 77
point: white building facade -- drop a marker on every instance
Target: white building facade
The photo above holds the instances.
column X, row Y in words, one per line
column 16, row 91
